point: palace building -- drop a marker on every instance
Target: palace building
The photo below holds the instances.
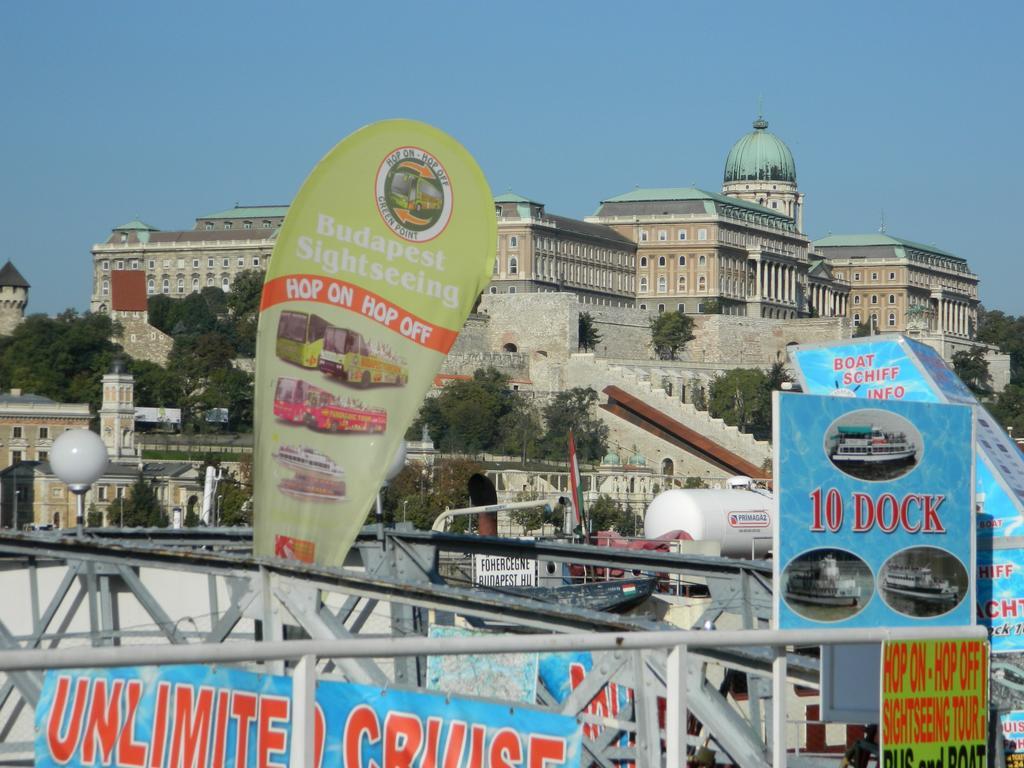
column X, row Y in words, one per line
column 742, row 251
column 180, row 262
column 539, row 252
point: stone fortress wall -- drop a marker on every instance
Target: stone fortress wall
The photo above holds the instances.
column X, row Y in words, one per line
column 532, row 336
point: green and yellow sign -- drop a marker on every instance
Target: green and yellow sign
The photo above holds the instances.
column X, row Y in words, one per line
column 934, row 704
column 382, row 255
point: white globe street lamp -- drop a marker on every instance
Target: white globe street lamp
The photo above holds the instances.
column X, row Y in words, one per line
column 79, row 458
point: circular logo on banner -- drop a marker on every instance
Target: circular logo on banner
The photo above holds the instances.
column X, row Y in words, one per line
column 414, row 194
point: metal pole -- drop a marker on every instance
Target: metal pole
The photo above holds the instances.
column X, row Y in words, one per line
column 142, row 655
column 675, row 708
column 779, row 708
column 79, row 492
column 303, row 712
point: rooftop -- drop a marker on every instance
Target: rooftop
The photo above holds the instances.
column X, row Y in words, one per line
column 880, row 239
column 689, row 200
column 136, row 225
column 249, row 212
column 11, row 277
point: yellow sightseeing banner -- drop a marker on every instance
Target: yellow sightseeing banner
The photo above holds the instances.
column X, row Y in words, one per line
column 379, row 261
column 934, row 703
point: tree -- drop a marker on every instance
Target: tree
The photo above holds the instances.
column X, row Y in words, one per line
column 742, row 397
column 574, row 409
column 972, row 368
column 606, row 514
column 589, row 336
column 711, row 307
column 737, row 396
column 198, row 365
column 669, row 333
column 418, row 494
column 864, row 329
column 243, row 302
column 140, row 508
column 63, row 358
column 482, row 414
column 234, row 498
column 1008, row 408
column 1007, row 333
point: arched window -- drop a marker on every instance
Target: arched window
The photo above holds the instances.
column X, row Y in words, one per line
column 643, row 261
column 151, row 286
column 497, row 265
column 210, row 281
column 702, row 283
column 682, row 261
column 181, row 285
column 682, row 283
column 166, row 287
column 892, row 319
column 510, row 347
column 702, row 260
column 856, row 319
column 225, row 284
column 105, row 288
column 856, row 299
column 662, row 284
column 643, row 283
column 661, row 261
column 892, row 298
column 195, row 285
column 513, row 266
column 667, row 467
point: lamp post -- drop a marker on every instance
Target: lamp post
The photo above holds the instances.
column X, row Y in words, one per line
column 79, row 458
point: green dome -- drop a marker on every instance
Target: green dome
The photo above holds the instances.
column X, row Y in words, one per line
column 611, row 458
column 760, row 156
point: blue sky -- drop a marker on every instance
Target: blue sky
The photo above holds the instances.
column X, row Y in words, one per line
column 115, row 110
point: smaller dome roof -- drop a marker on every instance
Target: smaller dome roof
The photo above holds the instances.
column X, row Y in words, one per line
column 637, row 460
column 611, row 458
column 760, row 156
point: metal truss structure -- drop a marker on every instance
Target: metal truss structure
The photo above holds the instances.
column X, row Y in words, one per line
column 90, row 590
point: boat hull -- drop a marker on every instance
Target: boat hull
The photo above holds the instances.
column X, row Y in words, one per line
column 929, row 597
column 843, row 600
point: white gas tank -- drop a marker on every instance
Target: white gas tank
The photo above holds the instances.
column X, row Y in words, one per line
column 742, row 521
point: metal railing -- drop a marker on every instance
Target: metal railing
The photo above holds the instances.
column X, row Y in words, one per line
column 305, row 653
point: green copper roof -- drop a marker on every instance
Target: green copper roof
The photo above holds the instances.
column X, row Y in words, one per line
column 249, row 212
column 879, row 239
column 512, row 197
column 137, row 225
column 760, row 156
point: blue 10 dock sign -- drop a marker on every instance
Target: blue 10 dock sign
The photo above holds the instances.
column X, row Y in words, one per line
column 876, row 513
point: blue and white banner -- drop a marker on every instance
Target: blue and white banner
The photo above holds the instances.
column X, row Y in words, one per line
column 895, row 367
column 892, row 367
column 876, row 510
column 171, row 717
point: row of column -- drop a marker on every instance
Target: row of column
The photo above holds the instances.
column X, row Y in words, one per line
column 776, row 282
column 954, row 317
column 827, row 302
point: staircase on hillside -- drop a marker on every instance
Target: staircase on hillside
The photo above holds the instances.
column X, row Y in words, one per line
column 587, row 371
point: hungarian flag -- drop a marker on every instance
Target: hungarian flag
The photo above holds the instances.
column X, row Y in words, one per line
column 574, row 486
